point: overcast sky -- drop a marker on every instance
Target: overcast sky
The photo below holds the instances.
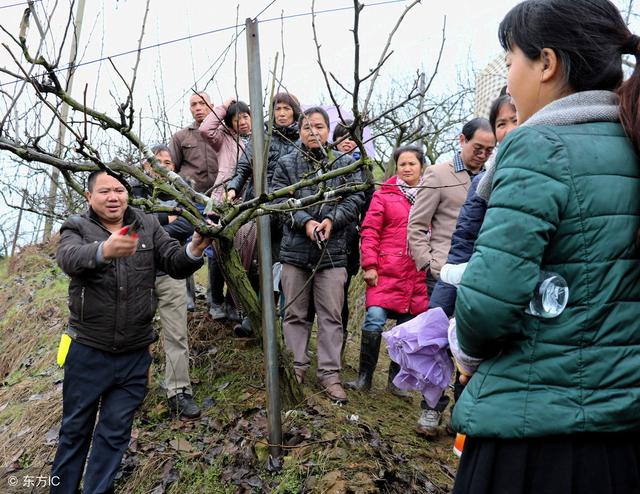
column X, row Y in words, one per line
column 194, row 34
column 113, row 27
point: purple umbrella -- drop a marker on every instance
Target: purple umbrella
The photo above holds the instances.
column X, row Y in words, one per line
column 420, row 346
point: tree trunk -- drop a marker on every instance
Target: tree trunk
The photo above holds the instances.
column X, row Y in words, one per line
column 238, row 281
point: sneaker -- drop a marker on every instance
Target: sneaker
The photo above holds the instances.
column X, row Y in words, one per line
column 217, row 312
column 400, row 393
column 232, row 313
column 183, row 405
column 191, row 303
column 243, row 330
column 428, row 423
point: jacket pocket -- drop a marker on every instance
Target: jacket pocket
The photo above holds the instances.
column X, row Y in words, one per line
column 143, row 259
column 391, row 264
column 75, row 302
column 193, row 154
column 144, row 306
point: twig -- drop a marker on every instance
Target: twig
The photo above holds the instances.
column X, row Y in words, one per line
column 383, row 56
column 18, row 93
column 129, row 102
column 320, row 63
column 438, row 60
column 335, row 79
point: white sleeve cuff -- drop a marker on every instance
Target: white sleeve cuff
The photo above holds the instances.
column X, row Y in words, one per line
column 452, row 273
column 192, row 256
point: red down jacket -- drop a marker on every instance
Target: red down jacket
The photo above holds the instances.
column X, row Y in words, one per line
column 383, row 246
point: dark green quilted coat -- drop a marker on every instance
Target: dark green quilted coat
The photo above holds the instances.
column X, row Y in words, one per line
column 565, row 199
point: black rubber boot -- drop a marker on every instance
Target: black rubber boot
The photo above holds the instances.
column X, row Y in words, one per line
column 392, row 388
column 369, row 350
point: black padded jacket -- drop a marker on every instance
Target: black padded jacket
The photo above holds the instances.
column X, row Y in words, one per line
column 283, row 141
column 296, row 248
column 112, row 303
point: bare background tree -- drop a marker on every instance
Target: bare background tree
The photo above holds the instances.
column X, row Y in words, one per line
column 432, row 121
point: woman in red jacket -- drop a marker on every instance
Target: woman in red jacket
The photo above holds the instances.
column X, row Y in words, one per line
column 395, row 287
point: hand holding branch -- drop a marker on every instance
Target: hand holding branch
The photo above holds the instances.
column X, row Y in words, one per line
column 198, row 244
column 324, row 229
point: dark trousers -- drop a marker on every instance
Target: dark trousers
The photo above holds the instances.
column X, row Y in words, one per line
column 191, row 291
column 113, row 384
column 586, row 463
column 431, row 282
column 215, row 290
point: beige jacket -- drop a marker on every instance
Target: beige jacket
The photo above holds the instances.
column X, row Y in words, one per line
column 437, row 206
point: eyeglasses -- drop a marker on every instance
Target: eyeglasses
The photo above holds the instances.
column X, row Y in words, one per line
column 481, row 151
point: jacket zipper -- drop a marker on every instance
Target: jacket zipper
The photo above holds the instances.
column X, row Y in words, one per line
column 82, row 305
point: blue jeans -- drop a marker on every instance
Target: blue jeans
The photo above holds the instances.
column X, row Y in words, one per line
column 113, row 384
column 377, row 317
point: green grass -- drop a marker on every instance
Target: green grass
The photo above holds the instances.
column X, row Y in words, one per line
column 3, row 267
column 51, row 288
column 195, row 478
column 12, row 413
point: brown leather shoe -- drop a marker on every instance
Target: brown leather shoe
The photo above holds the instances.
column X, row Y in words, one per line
column 299, row 372
column 333, row 388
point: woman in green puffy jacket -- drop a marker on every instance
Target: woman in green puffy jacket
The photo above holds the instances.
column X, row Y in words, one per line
column 555, row 405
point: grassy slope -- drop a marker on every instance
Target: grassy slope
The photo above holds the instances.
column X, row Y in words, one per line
column 367, row 445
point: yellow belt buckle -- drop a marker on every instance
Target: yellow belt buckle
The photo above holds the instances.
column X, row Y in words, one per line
column 63, row 349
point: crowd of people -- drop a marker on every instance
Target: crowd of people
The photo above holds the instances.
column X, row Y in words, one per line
column 549, row 182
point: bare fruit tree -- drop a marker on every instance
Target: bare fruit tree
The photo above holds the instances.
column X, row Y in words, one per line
column 109, row 139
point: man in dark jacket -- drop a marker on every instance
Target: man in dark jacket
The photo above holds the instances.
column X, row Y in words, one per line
column 111, row 253
column 433, row 220
column 314, row 246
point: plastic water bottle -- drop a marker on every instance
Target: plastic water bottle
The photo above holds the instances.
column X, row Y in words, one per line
column 550, row 296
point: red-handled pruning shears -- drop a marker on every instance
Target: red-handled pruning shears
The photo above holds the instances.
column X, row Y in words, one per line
column 131, row 230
